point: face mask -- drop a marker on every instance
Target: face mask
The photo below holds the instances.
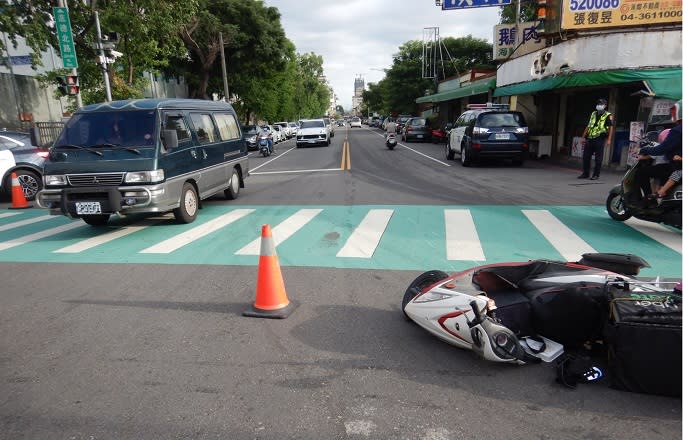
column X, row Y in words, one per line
column 600, row 107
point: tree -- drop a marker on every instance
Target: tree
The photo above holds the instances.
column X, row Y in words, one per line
column 404, row 83
column 148, row 30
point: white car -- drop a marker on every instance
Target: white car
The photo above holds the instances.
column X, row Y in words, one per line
column 355, row 122
column 279, row 132
column 277, row 135
column 293, row 128
column 312, row 132
column 285, row 129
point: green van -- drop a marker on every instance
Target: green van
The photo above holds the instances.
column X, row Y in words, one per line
column 144, row 156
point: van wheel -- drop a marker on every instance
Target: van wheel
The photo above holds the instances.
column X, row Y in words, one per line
column 233, row 190
column 189, row 204
column 96, row 220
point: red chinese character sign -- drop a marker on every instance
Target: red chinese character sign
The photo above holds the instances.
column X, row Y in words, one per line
column 595, row 14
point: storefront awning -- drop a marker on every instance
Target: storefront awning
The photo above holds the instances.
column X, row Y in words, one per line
column 476, row 88
column 663, row 83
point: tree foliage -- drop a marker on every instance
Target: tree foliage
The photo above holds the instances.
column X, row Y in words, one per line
column 403, row 83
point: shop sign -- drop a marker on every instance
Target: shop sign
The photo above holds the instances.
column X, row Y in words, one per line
column 636, row 131
column 506, row 37
column 596, row 14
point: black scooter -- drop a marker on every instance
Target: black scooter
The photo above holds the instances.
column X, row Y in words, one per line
column 625, row 200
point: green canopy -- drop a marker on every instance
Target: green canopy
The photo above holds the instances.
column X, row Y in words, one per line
column 662, row 83
column 475, row 88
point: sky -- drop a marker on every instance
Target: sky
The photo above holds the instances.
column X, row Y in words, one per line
column 357, row 38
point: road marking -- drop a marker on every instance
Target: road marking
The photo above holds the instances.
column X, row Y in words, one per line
column 295, row 171
column 282, row 231
column 563, row 239
column 38, row 235
column 279, row 155
column 417, row 152
column 105, row 238
column 656, row 232
column 180, row 240
column 25, row 222
column 346, row 156
column 365, row 238
column 9, row 214
column 462, row 240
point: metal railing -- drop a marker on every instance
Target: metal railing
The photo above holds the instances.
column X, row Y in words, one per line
column 48, row 131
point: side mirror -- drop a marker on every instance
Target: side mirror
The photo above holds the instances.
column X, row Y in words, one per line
column 169, row 139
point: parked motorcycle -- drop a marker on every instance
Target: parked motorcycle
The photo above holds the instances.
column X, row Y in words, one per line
column 391, row 141
column 625, row 200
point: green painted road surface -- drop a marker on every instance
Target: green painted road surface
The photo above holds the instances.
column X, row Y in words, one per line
column 449, row 238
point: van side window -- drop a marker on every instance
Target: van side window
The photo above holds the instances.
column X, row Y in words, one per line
column 177, row 123
column 204, row 127
column 227, row 126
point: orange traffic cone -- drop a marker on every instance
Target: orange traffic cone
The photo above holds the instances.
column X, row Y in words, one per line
column 18, row 198
column 271, row 298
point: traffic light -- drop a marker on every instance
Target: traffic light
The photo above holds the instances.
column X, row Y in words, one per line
column 72, row 85
column 68, row 85
column 61, row 85
column 541, row 13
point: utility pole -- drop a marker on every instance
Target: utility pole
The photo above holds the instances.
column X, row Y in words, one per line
column 225, row 73
column 103, row 58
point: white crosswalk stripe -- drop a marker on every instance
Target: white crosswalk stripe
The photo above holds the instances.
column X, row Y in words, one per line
column 567, row 243
column 9, row 214
column 656, row 232
column 282, row 231
column 462, row 240
column 38, row 235
column 180, row 240
column 365, row 238
column 28, row 221
column 105, row 238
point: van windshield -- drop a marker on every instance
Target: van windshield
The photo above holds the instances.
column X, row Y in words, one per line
column 118, row 129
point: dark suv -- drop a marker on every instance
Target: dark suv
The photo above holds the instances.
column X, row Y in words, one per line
column 489, row 131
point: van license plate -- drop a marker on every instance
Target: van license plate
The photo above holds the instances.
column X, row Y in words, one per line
column 86, row 208
column 502, row 136
column 419, row 136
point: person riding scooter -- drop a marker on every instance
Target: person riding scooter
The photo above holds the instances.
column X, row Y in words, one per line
column 670, row 148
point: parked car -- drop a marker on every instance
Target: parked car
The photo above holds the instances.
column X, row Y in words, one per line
column 250, row 135
column 416, row 129
column 279, row 133
column 401, row 121
column 276, row 135
column 489, row 130
column 312, row 132
column 293, row 127
column 18, row 155
column 285, row 129
column 329, row 125
column 355, row 122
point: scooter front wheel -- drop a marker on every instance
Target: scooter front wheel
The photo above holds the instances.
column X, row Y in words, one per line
column 419, row 283
column 616, row 207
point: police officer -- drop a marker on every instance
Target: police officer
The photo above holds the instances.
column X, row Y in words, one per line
column 597, row 134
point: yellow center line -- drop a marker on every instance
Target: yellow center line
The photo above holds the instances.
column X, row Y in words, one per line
column 346, row 156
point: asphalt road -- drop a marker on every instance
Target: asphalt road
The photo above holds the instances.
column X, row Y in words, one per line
column 162, row 351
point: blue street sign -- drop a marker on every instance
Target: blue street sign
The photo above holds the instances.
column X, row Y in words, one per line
column 467, row 4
